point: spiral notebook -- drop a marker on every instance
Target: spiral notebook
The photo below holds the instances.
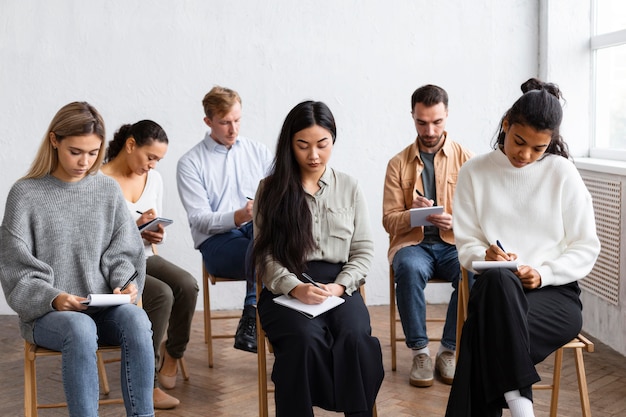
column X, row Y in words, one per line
column 309, row 310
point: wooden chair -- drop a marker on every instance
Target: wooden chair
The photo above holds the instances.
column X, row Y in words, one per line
column 262, row 342
column 394, row 319
column 579, row 344
column 208, row 331
column 32, row 352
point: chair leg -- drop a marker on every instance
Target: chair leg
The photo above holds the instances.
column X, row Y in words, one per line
column 102, row 372
column 208, row 339
column 582, row 382
column 556, row 382
column 183, row 368
column 392, row 318
column 30, row 384
column 262, row 369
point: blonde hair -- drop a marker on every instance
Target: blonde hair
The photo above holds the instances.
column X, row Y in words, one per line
column 219, row 101
column 74, row 119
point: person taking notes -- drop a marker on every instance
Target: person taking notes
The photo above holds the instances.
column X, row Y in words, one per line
column 528, row 194
column 423, row 175
column 331, row 360
column 170, row 292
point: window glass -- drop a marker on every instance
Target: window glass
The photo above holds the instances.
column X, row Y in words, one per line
column 610, row 16
column 611, row 97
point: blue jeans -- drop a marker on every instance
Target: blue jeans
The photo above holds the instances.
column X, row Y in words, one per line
column 413, row 267
column 228, row 255
column 77, row 334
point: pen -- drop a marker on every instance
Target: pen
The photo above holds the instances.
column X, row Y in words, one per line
column 127, row 283
column 138, row 212
column 308, row 278
column 500, row 245
column 249, row 198
column 418, row 193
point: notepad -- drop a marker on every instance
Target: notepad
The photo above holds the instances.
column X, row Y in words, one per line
column 418, row 215
column 309, row 310
column 153, row 225
column 106, row 300
column 484, row 265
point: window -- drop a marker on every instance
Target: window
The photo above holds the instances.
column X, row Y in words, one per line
column 608, row 45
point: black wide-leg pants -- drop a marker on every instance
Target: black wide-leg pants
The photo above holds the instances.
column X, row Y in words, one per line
column 331, row 361
column 508, row 330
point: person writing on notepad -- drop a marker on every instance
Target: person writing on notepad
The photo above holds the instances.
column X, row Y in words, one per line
column 310, row 219
column 67, row 233
column 527, row 195
column 170, row 292
column 423, row 175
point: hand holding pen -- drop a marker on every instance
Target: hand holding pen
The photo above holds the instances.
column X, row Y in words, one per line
column 421, row 200
column 310, row 294
column 126, row 288
column 497, row 253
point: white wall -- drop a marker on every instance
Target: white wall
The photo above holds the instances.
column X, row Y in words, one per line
column 157, row 59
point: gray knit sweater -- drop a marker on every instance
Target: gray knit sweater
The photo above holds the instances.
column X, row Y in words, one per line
column 58, row 237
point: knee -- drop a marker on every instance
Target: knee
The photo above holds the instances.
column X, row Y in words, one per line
column 135, row 319
column 159, row 298
column 135, row 327
column 407, row 269
column 500, row 278
column 82, row 332
column 188, row 286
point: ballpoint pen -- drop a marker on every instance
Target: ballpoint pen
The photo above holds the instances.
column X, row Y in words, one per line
column 308, row 278
column 500, row 246
column 127, row 283
column 418, row 193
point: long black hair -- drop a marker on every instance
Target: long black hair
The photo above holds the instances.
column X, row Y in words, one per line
column 285, row 232
column 540, row 108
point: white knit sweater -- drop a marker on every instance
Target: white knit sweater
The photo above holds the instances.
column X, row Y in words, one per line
column 541, row 212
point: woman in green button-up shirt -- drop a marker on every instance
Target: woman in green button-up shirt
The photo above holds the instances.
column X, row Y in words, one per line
column 311, row 219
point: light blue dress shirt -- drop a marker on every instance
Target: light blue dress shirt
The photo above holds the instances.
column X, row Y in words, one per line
column 214, row 181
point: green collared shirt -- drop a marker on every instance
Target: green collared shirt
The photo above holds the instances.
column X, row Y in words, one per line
column 341, row 230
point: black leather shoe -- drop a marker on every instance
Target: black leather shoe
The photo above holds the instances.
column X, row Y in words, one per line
column 245, row 337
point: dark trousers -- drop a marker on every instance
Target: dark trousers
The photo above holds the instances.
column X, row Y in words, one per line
column 508, row 330
column 331, row 361
column 169, row 299
column 228, row 254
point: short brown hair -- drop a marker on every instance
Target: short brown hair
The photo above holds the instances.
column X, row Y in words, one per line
column 219, row 101
column 429, row 95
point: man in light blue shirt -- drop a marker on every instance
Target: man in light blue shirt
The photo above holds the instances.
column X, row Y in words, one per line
column 217, row 180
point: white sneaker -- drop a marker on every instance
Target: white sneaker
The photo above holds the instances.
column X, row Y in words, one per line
column 445, row 363
column 421, row 371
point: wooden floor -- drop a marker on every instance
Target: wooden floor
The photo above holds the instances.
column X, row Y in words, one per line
column 230, row 388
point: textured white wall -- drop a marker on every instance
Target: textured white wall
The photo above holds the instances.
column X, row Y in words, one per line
column 157, row 59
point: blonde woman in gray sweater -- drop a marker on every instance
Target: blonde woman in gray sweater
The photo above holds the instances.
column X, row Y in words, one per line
column 67, row 233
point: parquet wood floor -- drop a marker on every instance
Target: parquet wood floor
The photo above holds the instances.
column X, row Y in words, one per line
column 230, row 388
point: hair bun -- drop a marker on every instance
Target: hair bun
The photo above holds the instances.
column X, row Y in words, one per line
column 536, row 84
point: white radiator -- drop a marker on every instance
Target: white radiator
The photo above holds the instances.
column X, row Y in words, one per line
column 606, row 192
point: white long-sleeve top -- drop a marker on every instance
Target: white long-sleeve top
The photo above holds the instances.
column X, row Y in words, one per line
column 542, row 212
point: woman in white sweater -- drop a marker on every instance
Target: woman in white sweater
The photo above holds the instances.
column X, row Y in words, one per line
column 525, row 196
